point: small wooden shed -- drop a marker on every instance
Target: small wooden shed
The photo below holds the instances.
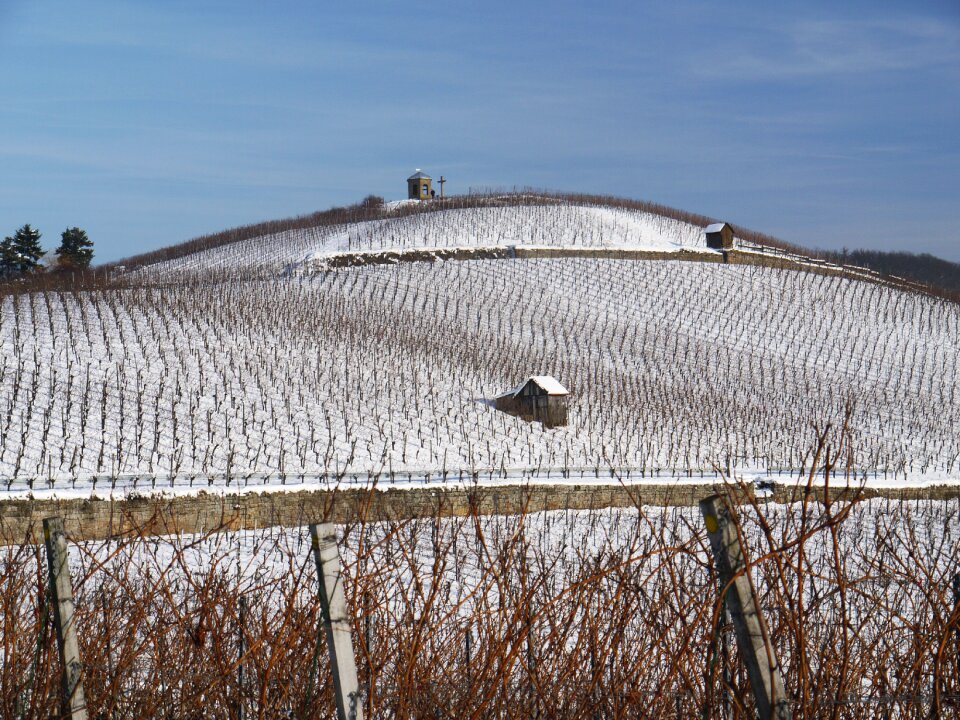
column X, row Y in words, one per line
column 539, row 398
column 719, row 236
column 419, row 186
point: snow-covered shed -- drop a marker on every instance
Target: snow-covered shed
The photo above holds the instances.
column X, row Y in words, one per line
column 719, row 236
column 419, row 186
column 539, row 397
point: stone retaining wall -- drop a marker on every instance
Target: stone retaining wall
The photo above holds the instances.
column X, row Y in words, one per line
column 21, row 520
column 731, row 257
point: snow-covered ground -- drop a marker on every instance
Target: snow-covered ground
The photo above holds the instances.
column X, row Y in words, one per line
column 382, row 371
column 542, row 225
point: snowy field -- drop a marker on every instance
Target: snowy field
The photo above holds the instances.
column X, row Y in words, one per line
column 674, row 368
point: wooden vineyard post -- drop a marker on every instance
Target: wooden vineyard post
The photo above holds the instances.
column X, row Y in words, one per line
column 72, row 702
column 469, row 649
column 956, row 607
column 333, row 605
column 752, row 638
column 241, row 651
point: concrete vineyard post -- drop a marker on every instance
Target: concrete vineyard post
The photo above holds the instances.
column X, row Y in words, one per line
column 368, row 641
column 72, row 702
column 532, row 661
column 741, row 601
column 335, row 621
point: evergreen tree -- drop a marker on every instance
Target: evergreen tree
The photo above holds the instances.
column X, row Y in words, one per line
column 22, row 252
column 76, row 249
column 8, row 258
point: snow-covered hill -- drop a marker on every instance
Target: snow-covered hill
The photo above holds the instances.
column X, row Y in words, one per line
column 541, row 225
column 674, row 365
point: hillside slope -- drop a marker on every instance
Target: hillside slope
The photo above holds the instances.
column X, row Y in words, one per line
column 390, row 368
column 550, row 225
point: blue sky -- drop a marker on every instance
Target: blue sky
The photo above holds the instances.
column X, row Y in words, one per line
column 147, row 123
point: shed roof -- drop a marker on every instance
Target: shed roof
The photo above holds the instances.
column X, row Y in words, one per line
column 716, row 227
column 419, row 176
column 548, row 384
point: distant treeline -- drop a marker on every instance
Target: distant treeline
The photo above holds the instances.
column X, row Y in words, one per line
column 924, row 268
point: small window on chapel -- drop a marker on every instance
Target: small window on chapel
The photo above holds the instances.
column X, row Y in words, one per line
column 424, row 188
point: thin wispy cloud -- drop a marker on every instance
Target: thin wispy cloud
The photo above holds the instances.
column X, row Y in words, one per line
column 808, row 49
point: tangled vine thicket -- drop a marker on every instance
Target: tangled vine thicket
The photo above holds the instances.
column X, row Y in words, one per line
column 568, row 614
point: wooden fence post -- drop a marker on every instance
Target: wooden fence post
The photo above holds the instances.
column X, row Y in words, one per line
column 72, row 702
column 752, row 638
column 336, row 623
